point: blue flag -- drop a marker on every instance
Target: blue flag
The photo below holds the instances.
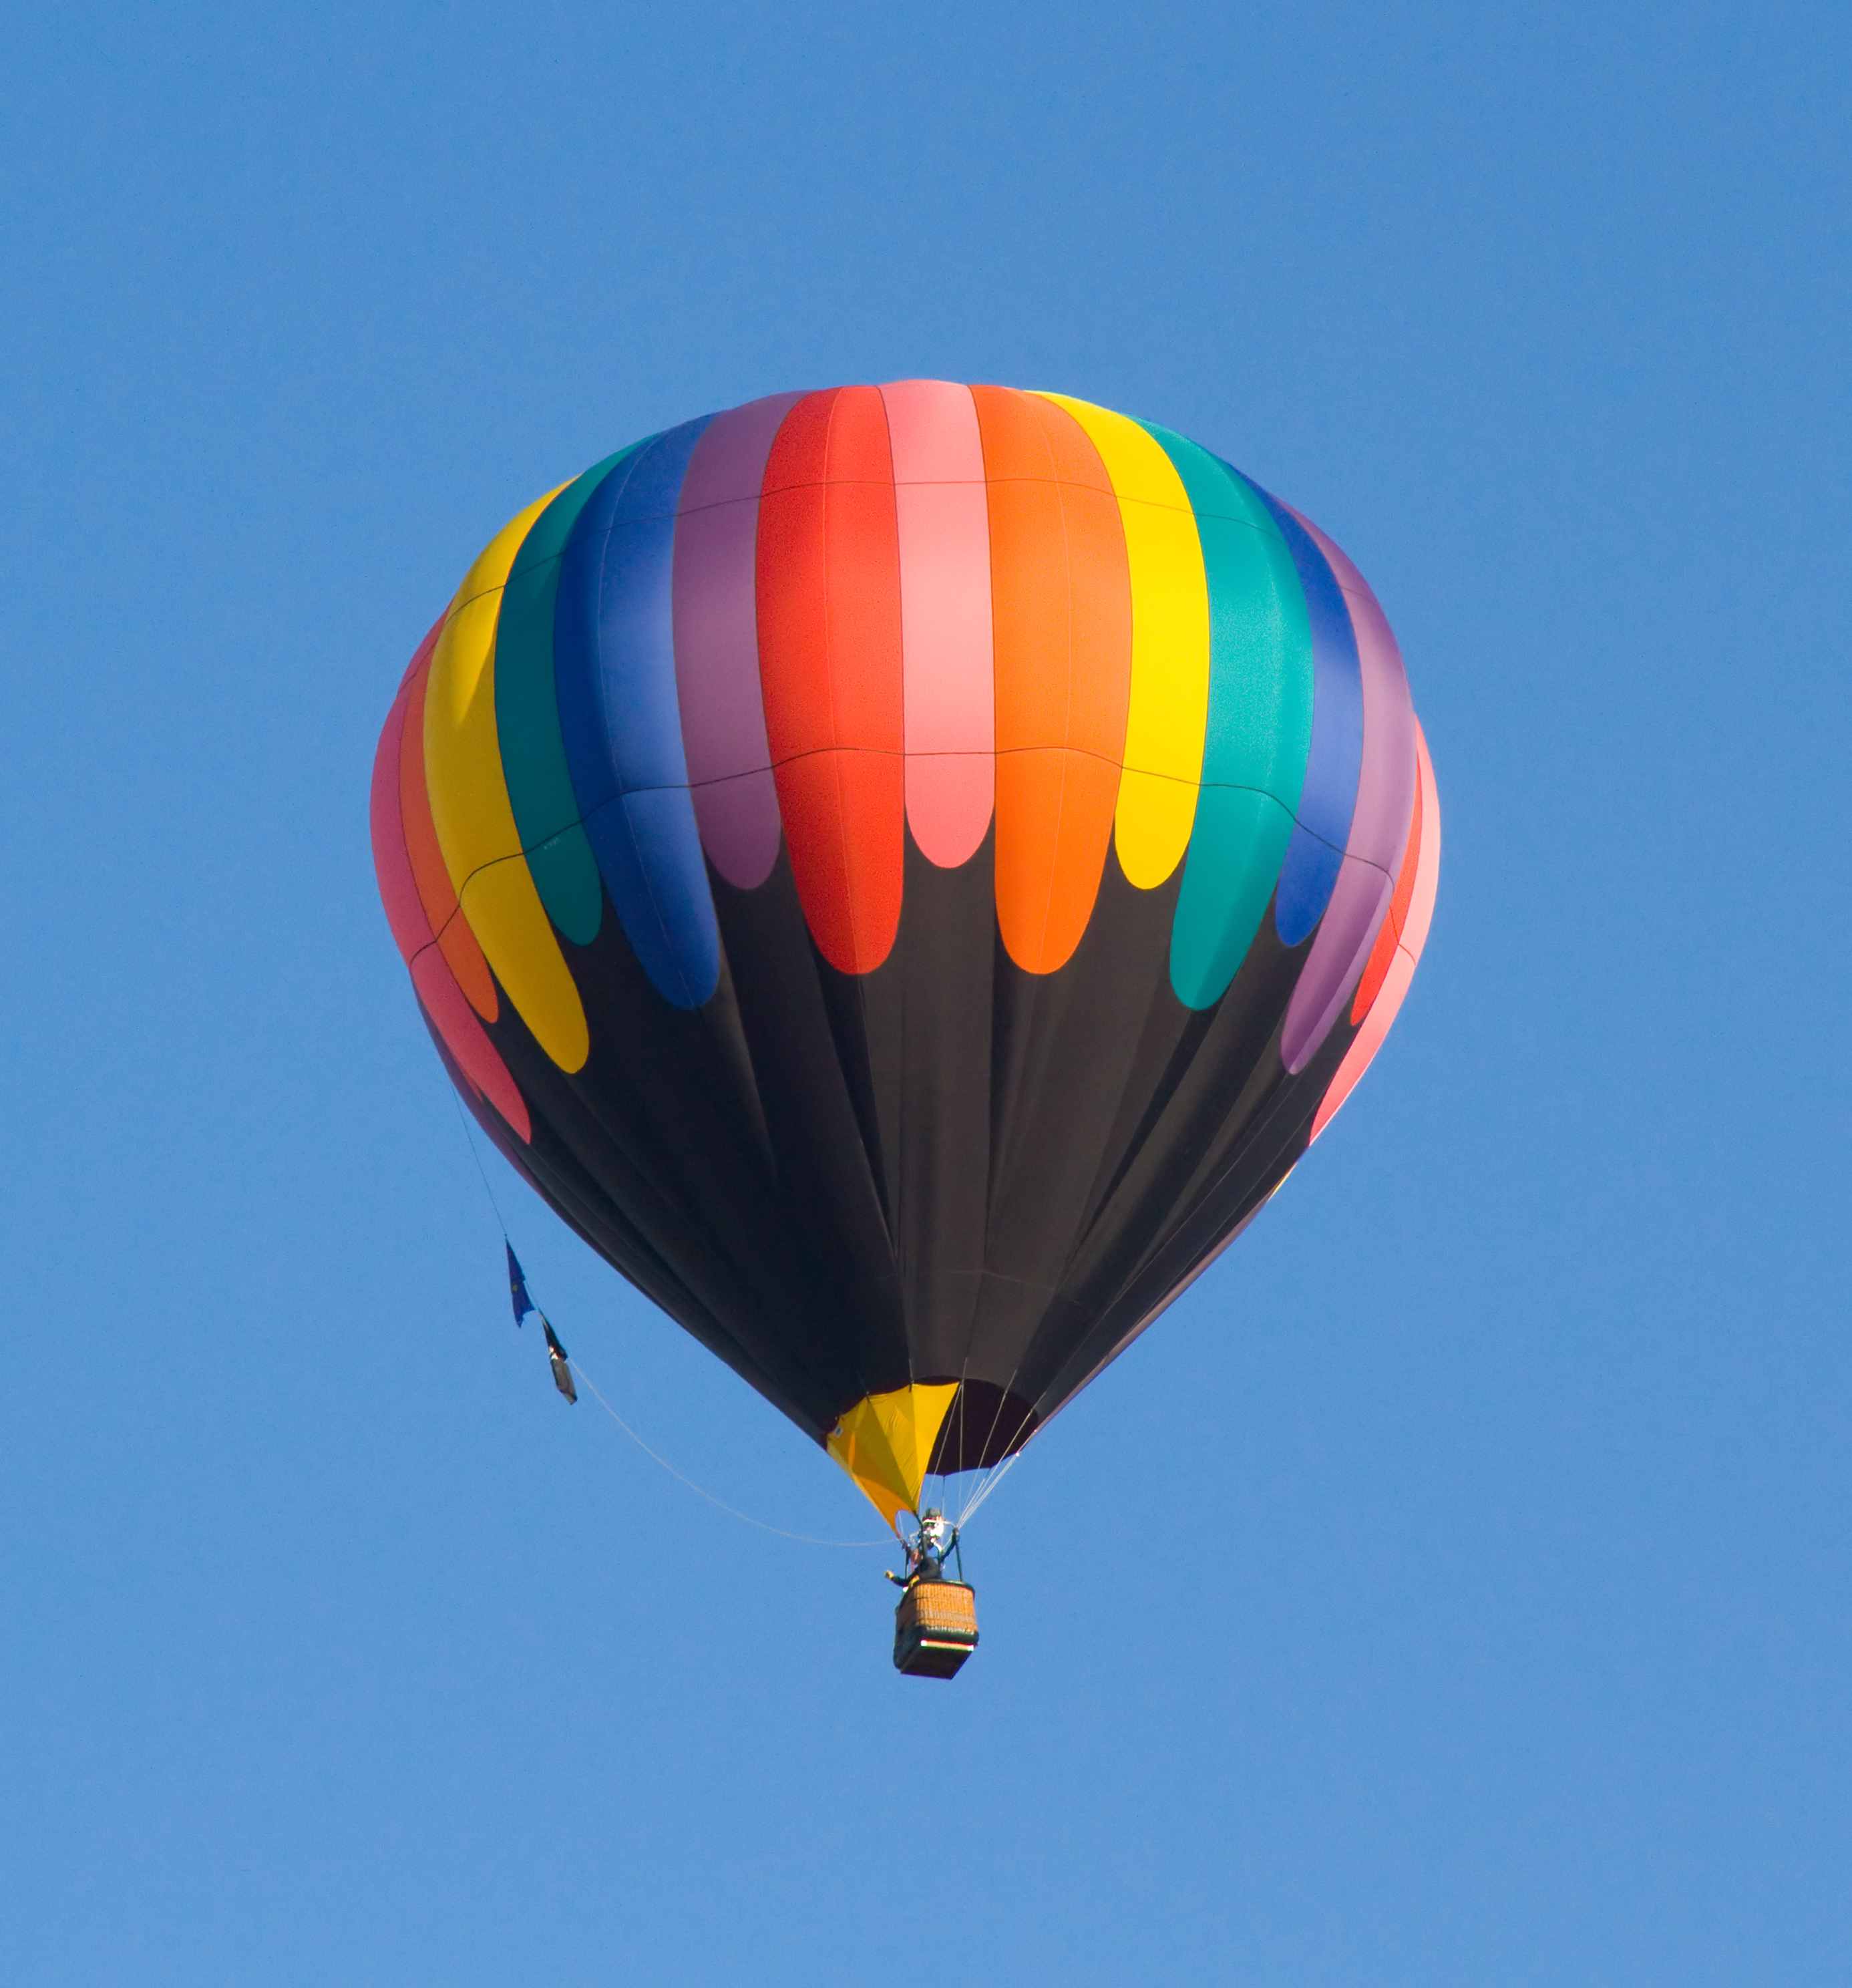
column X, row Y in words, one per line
column 517, row 1287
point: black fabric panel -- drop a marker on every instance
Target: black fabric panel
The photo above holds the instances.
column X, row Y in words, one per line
column 930, row 1009
column 554, row 1171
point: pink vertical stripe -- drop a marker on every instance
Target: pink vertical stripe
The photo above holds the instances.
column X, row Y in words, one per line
column 948, row 677
column 1428, row 868
column 723, row 713
column 1383, row 1009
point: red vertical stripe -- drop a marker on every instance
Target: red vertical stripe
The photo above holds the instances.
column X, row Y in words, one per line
column 829, row 602
column 449, row 1015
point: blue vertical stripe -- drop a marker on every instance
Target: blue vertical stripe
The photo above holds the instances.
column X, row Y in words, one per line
column 614, row 665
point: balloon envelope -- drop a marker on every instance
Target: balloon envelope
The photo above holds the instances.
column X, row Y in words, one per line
column 905, row 872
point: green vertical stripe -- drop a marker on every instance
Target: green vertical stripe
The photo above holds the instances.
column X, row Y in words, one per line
column 1259, row 725
column 527, row 718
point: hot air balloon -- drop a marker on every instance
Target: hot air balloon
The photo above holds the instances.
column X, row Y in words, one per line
column 905, row 872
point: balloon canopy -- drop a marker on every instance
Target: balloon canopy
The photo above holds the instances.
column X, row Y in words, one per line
column 905, row 872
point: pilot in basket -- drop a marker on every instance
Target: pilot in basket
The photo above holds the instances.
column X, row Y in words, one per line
column 935, row 1626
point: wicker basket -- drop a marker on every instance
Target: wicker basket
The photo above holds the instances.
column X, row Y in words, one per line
column 935, row 1628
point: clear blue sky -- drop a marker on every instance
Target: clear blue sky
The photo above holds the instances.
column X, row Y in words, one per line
column 1454, row 1589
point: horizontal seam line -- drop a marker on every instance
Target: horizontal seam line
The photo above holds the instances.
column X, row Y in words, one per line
column 689, row 787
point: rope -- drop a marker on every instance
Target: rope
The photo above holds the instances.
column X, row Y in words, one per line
column 805, row 1539
column 992, row 1479
column 481, row 1172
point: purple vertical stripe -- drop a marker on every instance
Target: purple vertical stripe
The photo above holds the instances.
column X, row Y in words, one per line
column 1379, row 828
column 723, row 713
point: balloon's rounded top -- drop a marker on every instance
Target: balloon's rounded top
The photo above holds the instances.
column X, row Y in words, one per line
column 906, row 870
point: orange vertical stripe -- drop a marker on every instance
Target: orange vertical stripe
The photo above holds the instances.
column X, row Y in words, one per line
column 829, row 602
column 1061, row 606
column 435, row 892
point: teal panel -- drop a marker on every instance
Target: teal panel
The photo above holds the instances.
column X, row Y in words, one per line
column 527, row 718
column 1259, row 724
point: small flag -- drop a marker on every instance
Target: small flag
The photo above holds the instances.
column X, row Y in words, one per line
column 556, row 1354
column 517, row 1287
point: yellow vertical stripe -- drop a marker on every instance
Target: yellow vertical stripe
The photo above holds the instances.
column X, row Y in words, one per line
column 474, row 821
column 1170, row 701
